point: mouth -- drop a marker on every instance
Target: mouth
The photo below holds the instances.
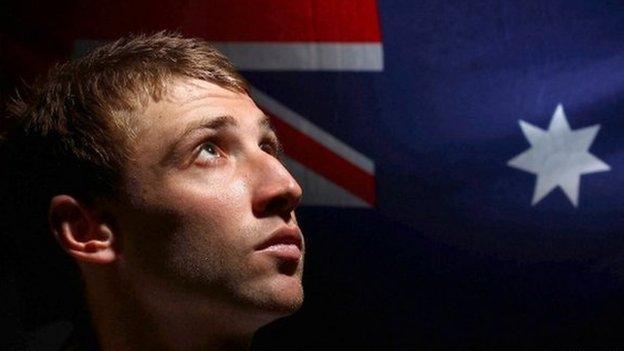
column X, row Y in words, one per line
column 285, row 243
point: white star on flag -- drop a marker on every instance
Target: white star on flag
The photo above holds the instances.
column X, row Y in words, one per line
column 558, row 156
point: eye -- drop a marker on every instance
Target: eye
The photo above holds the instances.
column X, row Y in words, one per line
column 209, row 152
column 271, row 147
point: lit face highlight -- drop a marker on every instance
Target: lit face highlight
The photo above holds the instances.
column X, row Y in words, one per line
column 210, row 207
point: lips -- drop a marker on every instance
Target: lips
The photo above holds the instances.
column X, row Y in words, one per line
column 284, row 243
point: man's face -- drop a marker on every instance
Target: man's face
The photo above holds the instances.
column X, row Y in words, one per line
column 210, row 207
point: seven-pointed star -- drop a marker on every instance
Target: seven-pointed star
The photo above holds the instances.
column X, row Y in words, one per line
column 558, row 156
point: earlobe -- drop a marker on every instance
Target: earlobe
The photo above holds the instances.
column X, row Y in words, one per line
column 80, row 231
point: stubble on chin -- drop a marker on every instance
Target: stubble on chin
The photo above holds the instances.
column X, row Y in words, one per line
column 278, row 294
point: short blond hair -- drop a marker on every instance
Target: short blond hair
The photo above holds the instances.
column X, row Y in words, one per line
column 70, row 129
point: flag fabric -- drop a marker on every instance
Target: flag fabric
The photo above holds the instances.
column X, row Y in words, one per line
column 462, row 162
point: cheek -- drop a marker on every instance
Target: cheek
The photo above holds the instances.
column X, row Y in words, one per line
column 218, row 204
column 192, row 231
column 212, row 223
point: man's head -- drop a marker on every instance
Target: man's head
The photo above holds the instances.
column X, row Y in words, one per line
column 157, row 169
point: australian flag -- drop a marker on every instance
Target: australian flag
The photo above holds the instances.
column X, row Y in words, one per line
column 463, row 182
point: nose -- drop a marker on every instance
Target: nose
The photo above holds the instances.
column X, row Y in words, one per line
column 276, row 192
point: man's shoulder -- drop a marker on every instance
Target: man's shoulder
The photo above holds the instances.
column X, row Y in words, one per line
column 56, row 336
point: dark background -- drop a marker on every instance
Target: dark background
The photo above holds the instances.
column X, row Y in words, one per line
column 452, row 256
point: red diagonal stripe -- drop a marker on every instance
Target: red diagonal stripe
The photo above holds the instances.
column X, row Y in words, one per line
column 322, row 160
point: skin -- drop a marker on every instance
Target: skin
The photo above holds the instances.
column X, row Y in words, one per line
column 175, row 265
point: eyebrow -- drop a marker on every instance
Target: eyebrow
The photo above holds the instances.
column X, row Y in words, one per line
column 221, row 122
column 215, row 123
column 265, row 123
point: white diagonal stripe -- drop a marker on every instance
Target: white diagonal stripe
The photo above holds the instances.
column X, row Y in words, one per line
column 304, row 126
column 320, row 191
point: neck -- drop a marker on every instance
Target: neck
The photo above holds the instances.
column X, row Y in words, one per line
column 125, row 319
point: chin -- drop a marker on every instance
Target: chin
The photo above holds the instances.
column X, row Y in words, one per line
column 279, row 297
column 287, row 294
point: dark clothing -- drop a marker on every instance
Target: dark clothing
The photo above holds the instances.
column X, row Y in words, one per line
column 61, row 336
column 82, row 338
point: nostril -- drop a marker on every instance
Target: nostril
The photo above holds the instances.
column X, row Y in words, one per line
column 276, row 203
column 279, row 205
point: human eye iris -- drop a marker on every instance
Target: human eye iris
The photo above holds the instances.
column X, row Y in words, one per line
column 209, row 151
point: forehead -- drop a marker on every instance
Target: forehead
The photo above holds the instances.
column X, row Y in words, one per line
column 186, row 90
column 187, row 106
column 186, row 100
column 186, row 95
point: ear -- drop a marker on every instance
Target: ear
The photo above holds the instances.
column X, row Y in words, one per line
column 80, row 232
